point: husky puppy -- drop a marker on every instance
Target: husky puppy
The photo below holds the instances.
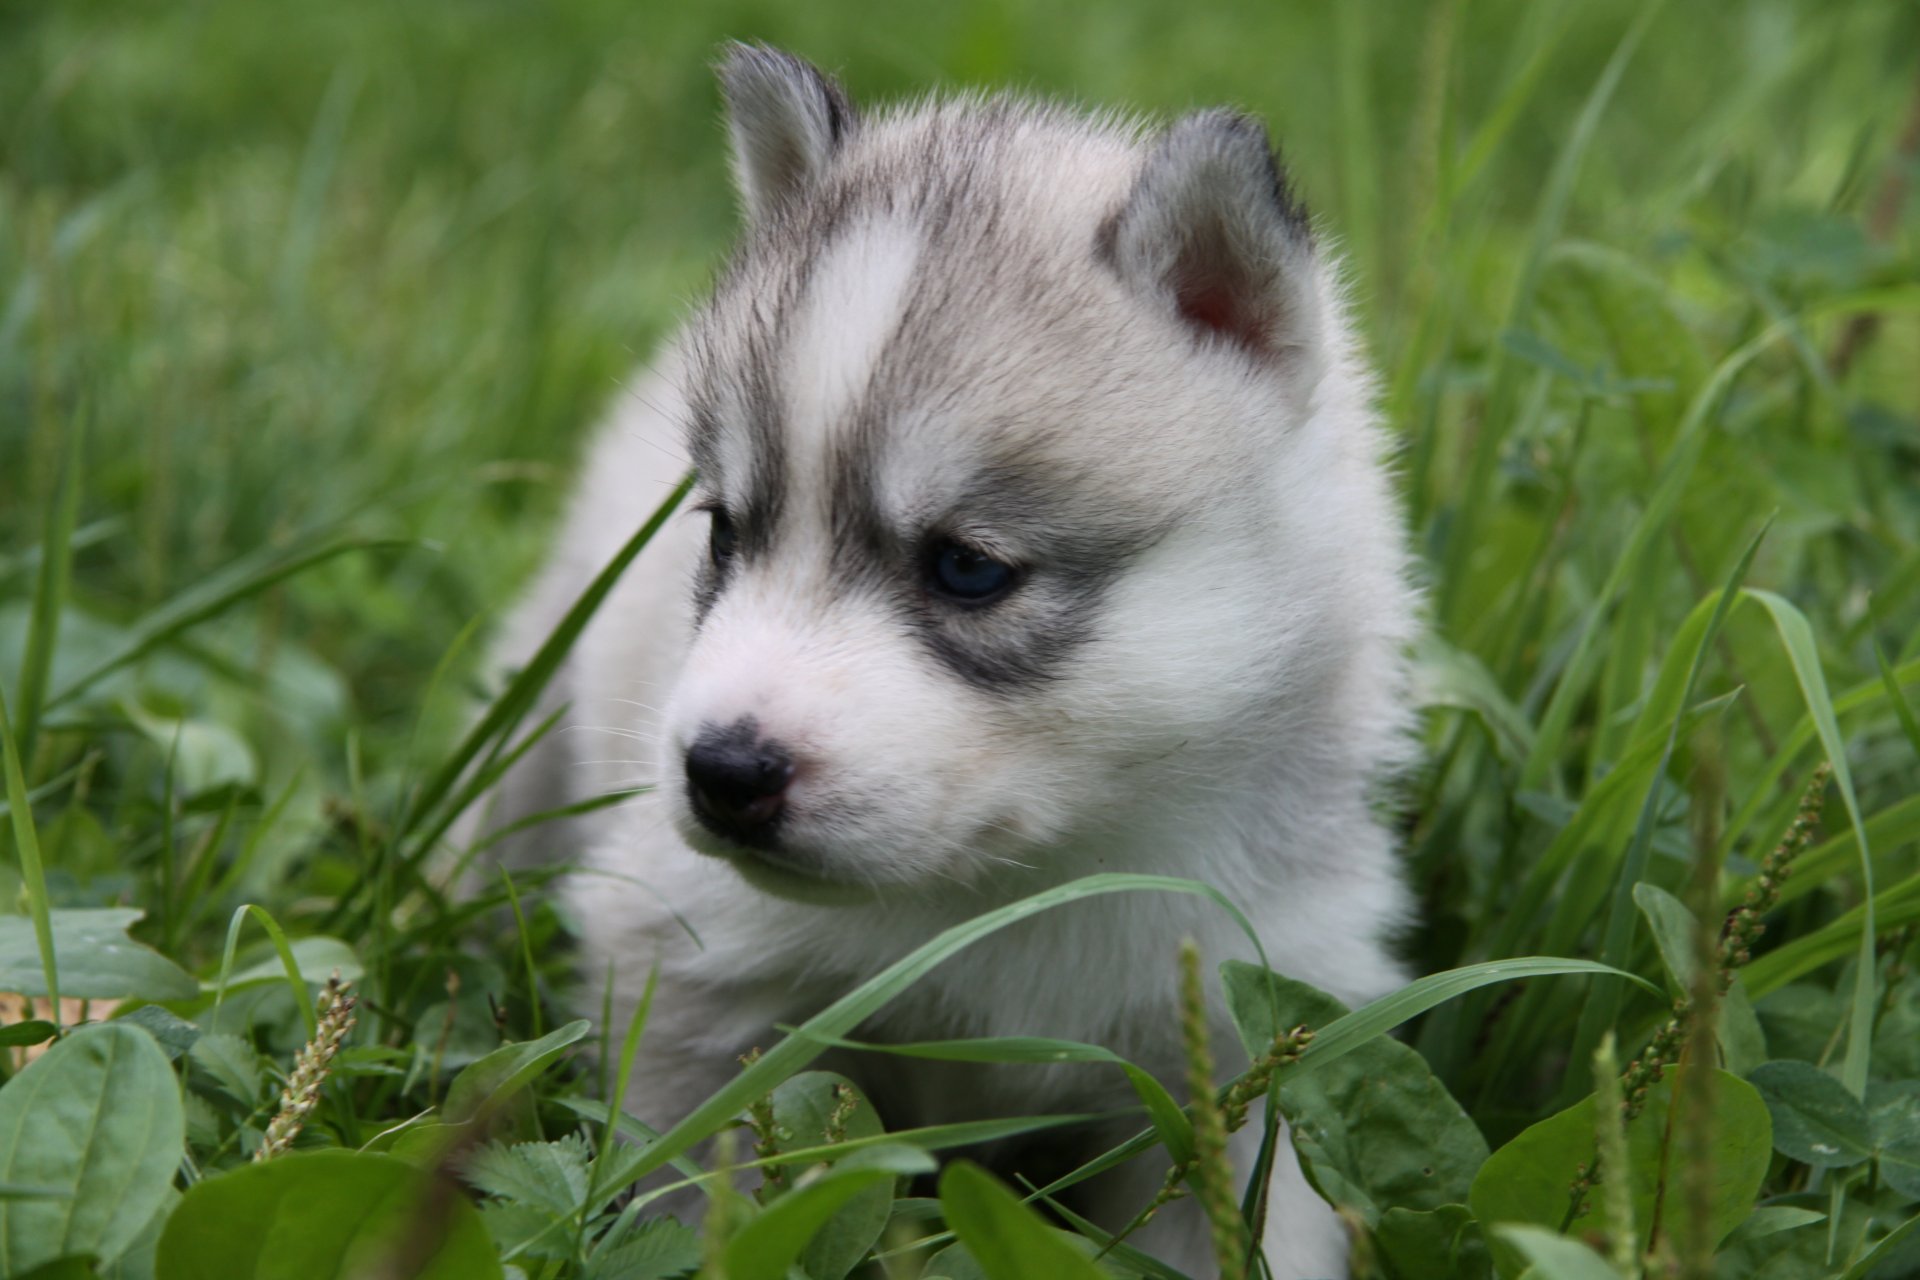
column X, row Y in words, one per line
column 1040, row 530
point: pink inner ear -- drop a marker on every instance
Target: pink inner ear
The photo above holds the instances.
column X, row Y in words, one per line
column 1211, row 302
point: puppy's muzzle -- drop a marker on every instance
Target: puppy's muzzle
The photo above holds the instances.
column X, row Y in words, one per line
column 737, row 782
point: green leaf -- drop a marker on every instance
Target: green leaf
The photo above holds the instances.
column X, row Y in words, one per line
column 1347, row 1033
column 1448, row 676
column 1007, row 1239
column 1869, row 1262
column 1554, row 1257
column 1815, row 1120
column 1169, row 1121
column 1771, row 1220
column 232, row 1062
column 1527, row 1180
column 98, row 1119
column 1743, row 1042
column 1438, row 1244
column 242, row 579
column 789, row 1227
column 1893, row 1117
column 507, row 1070
column 50, row 591
column 174, row 1035
column 802, row 1107
column 32, row 873
column 1375, row 1130
column 325, row 1215
column 659, row 1249
column 316, row 956
column 1796, row 635
column 1672, row 926
column 857, row 1005
column 32, row 1031
column 548, row 1175
column 98, row 961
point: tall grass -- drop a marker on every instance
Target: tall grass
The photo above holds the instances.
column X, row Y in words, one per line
column 304, row 312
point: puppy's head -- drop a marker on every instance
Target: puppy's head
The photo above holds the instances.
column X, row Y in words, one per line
column 1004, row 423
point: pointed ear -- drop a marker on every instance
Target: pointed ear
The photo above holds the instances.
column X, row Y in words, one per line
column 1211, row 232
column 786, row 119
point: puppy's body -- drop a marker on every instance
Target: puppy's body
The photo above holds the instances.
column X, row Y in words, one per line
column 966, row 345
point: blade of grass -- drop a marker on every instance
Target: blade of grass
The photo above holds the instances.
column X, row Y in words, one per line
column 526, row 953
column 1602, row 1008
column 794, row 1052
column 1796, row 634
column 241, row 580
column 1556, row 192
column 1689, row 442
column 518, row 697
column 32, row 874
column 303, row 998
column 50, row 593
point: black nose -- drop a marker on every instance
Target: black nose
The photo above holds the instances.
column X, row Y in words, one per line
column 737, row 780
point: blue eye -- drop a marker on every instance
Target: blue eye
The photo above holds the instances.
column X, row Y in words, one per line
column 961, row 573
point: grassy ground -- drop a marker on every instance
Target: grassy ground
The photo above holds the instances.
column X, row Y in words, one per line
column 304, row 311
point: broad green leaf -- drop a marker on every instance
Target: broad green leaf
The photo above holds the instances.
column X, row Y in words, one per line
column 1439, row 1244
column 1672, row 926
column 1554, row 1257
column 1007, row 1239
column 32, row 1031
column 202, row 754
column 1743, row 1043
column 1893, row 1116
column 1815, row 1120
column 546, row 1175
column 98, row 1119
column 1375, row 1130
column 137, row 1260
column 325, row 1215
column 173, row 1034
column 791, row 1226
column 507, row 1070
column 803, row 1106
column 1527, row 1180
column 655, row 1251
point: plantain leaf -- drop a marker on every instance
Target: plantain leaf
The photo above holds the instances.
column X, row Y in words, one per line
column 97, row 1121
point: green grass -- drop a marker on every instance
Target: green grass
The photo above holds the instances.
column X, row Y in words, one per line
column 305, row 312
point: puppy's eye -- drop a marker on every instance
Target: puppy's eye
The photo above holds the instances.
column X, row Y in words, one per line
column 722, row 541
column 968, row 575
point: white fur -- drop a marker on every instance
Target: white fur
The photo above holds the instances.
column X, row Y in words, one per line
column 1228, row 720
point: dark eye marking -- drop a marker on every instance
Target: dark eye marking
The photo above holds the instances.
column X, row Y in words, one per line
column 967, row 575
column 723, row 540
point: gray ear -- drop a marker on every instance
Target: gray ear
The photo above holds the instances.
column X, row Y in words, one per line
column 786, row 119
column 1211, row 231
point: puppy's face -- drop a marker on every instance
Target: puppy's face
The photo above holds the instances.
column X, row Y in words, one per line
column 985, row 496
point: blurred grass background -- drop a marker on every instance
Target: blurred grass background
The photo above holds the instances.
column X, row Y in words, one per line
column 383, row 264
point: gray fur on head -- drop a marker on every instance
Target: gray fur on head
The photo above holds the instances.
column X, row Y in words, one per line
column 1212, row 230
column 786, row 118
